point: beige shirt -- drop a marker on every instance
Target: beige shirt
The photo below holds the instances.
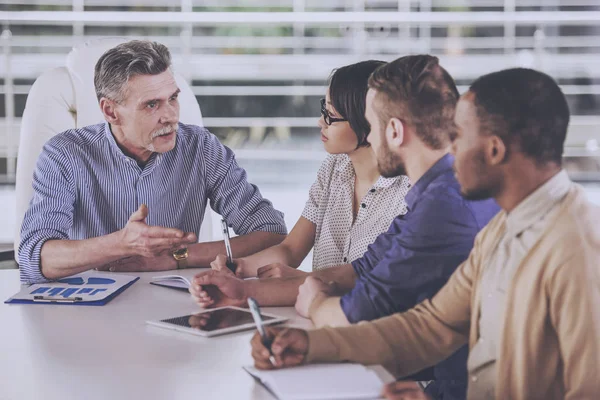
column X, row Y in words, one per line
column 524, row 226
column 340, row 238
column 548, row 347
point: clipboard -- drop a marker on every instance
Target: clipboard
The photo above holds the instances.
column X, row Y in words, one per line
column 85, row 289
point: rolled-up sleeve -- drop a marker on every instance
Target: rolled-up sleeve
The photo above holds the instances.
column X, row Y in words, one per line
column 429, row 244
column 232, row 196
column 50, row 213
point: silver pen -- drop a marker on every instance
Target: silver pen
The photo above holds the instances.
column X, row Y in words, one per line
column 225, row 230
column 45, row 299
column 255, row 311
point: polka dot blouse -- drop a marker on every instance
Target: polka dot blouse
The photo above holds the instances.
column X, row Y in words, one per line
column 338, row 239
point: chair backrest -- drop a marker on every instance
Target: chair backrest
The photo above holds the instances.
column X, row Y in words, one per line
column 64, row 98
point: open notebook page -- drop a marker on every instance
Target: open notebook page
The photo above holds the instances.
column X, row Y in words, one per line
column 321, row 381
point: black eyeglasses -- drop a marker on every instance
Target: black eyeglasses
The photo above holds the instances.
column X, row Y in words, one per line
column 327, row 117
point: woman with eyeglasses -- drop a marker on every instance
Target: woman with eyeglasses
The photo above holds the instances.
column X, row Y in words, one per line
column 349, row 204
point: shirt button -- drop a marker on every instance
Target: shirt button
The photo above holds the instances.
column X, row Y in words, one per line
column 490, row 295
column 345, row 259
column 363, row 205
column 474, row 378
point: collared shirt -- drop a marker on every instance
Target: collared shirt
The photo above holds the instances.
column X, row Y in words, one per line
column 340, row 238
column 84, row 186
column 417, row 255
column 524, row 226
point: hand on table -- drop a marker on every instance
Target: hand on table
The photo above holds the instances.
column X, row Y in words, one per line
column 313, row 290
column 213, row 289
column 278, row 270
column 404, row 390
column 288, row 345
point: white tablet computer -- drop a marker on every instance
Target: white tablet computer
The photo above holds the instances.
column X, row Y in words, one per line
column 217, row 321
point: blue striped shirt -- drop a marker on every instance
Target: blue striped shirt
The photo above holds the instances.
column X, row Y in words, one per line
column 84, row 186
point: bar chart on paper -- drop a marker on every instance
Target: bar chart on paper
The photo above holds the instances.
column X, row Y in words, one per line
column 89, row 288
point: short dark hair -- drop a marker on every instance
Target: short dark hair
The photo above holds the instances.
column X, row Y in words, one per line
column 348, row 93
column 525, row 108
column 119, row 64
column 418, row 91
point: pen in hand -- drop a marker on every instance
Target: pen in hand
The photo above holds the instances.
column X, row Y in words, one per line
column 266, row 341
column 230, row 264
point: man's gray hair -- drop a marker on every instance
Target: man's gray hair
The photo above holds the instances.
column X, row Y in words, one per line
column 119, row 64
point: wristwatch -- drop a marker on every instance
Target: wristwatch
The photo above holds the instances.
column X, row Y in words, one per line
column 181, row 256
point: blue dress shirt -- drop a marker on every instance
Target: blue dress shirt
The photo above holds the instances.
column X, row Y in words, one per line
column 416, row 256
column 84, row 186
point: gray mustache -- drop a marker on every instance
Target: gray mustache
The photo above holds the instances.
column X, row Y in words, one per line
column 164, row 130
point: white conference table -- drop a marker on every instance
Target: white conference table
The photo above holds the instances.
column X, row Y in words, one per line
column 65, row 352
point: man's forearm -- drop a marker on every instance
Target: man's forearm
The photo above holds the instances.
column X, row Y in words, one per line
column 60, row 258
column 327, row 311
column 202, row 254
column 404, row 343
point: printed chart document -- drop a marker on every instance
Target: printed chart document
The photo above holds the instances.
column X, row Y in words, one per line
column 320, row 382
column 89, row 288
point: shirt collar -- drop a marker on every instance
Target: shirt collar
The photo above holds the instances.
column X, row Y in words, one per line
column 345, row 165
column 443, row 165
column 111, row 140
column 538, row 204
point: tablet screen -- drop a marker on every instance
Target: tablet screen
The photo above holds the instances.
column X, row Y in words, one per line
column 215, row 319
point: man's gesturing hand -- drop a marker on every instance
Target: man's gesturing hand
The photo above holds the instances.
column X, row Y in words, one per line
column 140, row 239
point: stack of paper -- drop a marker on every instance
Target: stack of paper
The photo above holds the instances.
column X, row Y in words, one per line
column 321, row 381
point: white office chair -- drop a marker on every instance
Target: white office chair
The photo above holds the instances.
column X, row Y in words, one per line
column 64, row 98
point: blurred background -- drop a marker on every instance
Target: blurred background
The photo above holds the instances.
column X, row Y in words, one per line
column 259, row 67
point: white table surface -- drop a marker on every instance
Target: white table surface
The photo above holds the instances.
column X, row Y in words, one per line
column 63, row 352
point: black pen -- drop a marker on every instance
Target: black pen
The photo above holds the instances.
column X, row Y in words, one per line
column 229, row 262
column 255, row 311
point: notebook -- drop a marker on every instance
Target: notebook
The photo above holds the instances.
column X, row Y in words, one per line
column 176, row 282
column 86, row 289
column 171, row 281
column 321, row 381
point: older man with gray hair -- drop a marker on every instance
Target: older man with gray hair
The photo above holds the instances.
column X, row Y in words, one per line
column 129, row 193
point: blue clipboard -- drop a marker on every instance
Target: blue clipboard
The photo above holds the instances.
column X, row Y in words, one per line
column 70, row 301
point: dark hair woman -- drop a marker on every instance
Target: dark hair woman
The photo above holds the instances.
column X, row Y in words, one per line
column 349, row 204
